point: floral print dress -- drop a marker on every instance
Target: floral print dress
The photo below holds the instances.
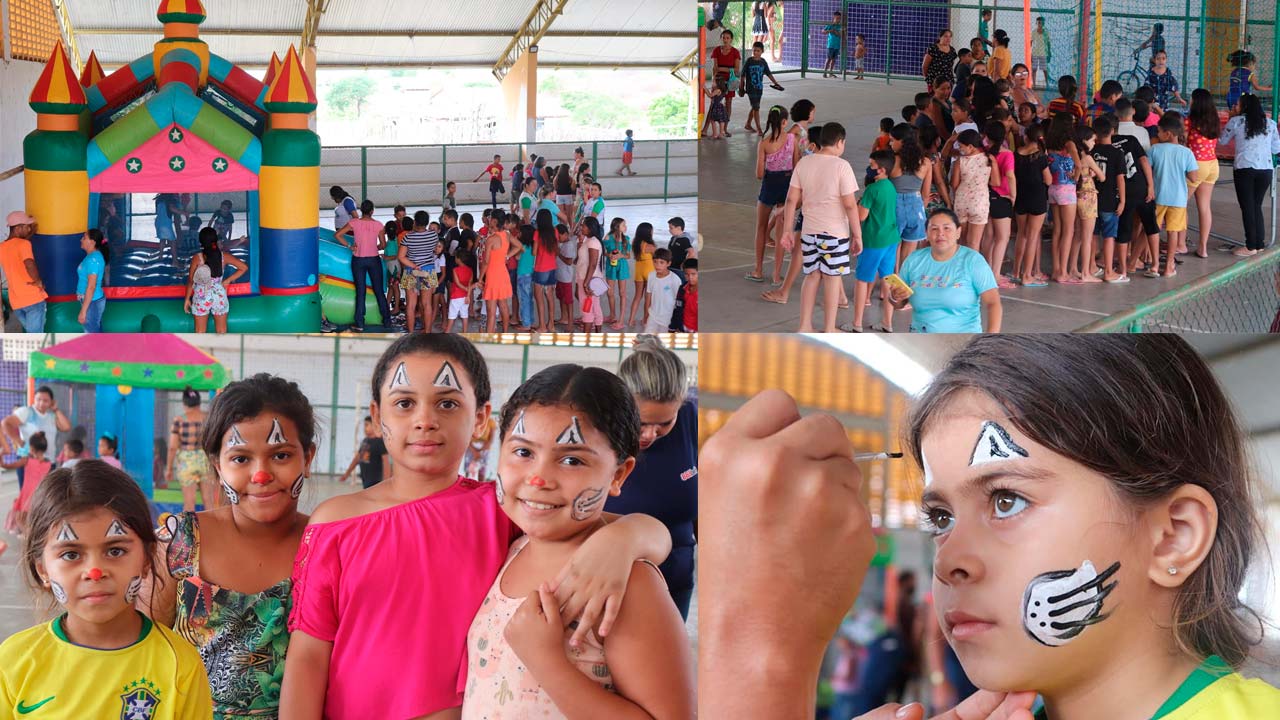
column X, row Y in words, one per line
column 242, row 638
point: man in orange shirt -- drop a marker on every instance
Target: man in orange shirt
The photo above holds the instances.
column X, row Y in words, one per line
column 26, row 291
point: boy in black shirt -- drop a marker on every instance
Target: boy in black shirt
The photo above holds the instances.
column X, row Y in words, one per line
column 372, row 458
column 1139, row 194
column 681, row 246
column 752, row 84
column 1111, row 199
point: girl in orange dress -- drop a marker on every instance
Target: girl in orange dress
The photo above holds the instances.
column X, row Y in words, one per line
column 500, row 245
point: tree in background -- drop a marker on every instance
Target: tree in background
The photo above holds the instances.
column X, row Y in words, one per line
column 348, row 96
column 669, row 114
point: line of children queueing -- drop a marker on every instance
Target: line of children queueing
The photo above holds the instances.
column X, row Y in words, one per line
column 525, row 264
column 1125, row 176
column 426, row 595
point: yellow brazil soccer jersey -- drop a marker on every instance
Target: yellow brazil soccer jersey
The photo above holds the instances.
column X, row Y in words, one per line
column 1213, row 692
column 43, row 676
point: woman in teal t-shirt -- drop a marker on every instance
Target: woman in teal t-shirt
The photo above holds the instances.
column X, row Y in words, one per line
column 954, row 288
column 89, row 275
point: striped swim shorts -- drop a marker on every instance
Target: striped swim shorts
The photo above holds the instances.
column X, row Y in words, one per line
column 825, row 253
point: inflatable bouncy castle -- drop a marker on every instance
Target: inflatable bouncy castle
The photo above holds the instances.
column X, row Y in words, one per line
column 178, row 123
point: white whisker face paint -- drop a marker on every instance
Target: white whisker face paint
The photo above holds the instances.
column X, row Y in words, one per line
column 131, row 592
column 587, row 502
column 66, row 534
column 234, row 439
column 519, row 426
column 233, row 497
column 571, row 435
column 58, row 593
column 498, row 490
column 400, row 378
column 295, row 490
column 115, row 529
column 1057, row 606
column 277, row 434
column 995, row 445
column 447, row 378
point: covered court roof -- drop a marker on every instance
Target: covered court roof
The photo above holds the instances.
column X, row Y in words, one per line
column 402, row 33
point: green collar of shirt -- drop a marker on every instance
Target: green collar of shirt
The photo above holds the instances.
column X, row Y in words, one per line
column 1209, row 672
column 60, row 631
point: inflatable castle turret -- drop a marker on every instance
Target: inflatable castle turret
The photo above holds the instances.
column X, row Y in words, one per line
column 178, row 122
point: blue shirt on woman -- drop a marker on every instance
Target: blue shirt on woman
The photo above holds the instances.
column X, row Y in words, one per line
column 946, row 298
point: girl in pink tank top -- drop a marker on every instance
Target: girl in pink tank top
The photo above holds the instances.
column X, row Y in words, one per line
column 569, row 440
column 388, row 580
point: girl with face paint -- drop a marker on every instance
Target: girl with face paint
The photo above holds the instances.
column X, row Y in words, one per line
column 569, row 439
column 89, row 545
column 388, row 580
column 224, row 580
column 1086, row 547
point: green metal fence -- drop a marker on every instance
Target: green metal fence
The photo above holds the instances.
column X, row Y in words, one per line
column 1242, row 298
column 666, row 168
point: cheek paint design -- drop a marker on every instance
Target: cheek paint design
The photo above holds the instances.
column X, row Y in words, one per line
column 277, row 434
column 115, row 529
column 1059, row 605
column 400, row 378
column 995, row 444
column 499, row 491
column 131, row 592
column 587, row 502
column 233, row 497
column 571, row 435
column 447, row 378
column 235, row 439
column 386, row 431
column 66, row 534
column 58, row 593
column 519, row 426
column 296, row 488
column 262, row 477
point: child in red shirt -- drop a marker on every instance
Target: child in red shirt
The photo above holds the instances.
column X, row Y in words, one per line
column 460, row 287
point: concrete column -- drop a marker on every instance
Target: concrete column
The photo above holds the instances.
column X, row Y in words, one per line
column 520, row 95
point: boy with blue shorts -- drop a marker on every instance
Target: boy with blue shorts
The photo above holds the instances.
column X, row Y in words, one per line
column 878, row 211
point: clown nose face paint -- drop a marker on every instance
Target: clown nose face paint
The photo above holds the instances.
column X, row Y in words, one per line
column 262, row 477
column 1057, row 606
column 536, row 481
column 95, row 574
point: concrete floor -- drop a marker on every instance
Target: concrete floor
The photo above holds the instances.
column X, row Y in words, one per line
column 727, row 200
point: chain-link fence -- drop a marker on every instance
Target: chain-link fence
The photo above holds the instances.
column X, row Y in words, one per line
column 1094, row 40
column 1241, row 298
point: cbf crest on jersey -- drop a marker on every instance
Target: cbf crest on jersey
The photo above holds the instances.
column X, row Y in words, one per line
column 139, row 700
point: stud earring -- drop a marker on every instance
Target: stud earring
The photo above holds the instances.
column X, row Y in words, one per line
column 1173, row 570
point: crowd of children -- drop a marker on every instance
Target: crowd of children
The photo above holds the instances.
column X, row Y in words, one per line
column 423, row 593
column 1122, row 170
column 552, row 258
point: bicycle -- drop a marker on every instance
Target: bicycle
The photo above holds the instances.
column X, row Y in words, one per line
column 1133, row 79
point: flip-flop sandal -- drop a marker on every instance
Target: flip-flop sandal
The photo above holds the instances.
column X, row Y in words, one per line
column 880, row 329
column 753, row 278
column 768, row 297
column 850, row 328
